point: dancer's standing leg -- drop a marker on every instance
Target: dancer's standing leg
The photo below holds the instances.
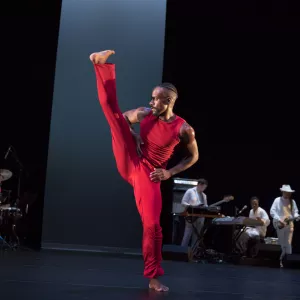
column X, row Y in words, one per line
column 149, row 204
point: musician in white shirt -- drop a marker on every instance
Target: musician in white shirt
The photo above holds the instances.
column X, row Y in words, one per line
column 260, row 214
column 194, row 197
column 252, row 236
column 284, row 208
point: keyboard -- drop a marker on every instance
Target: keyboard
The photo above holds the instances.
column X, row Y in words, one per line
column 237, row 221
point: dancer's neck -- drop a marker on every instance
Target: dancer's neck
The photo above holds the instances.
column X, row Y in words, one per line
column 167, row 117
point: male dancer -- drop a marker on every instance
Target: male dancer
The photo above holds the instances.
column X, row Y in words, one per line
column 142, row 161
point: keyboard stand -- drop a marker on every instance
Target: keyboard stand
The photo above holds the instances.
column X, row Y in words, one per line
column 198, row 249
column 236, row 237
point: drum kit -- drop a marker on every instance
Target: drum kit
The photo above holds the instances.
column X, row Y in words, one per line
column 9, row 215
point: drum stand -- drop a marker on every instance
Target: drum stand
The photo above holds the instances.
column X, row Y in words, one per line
column 4, row 243
column 10, row 239
column 8, row 236
column 2, row 240
column 1, row 196
column 21, row 168
column 4, row 224
column 12, row 227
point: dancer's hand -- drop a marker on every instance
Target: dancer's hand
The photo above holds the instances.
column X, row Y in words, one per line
column 159, row 175
column 139, row 142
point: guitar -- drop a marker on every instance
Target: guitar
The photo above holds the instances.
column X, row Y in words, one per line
column 210, row 208
column 225, row 199
column 286, row 222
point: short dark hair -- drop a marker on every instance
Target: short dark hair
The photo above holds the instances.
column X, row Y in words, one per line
column 202, row 181
column 254, row 198
column 170, row 87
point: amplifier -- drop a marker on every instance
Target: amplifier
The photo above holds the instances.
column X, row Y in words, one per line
column 180, row 186
column 183, row 184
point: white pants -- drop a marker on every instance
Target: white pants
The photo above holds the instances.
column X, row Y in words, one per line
column 285, row 238
column 252, row 232
column 189, row 231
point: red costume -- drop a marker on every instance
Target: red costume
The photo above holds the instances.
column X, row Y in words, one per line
column 159, row 139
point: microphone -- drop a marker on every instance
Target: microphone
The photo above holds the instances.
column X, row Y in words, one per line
column 242, row 209
column 7, row 152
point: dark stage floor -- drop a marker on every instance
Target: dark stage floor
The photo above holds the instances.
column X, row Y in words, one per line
column 66, row 275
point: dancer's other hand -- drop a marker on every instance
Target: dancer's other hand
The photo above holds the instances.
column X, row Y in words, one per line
column 159, row 175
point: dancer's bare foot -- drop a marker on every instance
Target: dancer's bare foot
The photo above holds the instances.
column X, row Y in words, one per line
column 101, row 57
column 154, row 284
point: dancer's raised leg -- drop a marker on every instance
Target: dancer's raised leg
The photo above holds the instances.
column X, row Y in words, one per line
column 124, row 147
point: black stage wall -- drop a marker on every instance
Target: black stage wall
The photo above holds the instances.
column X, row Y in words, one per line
column 29, row 38
column 236, row 68
column 235, row 65
column 87, row 203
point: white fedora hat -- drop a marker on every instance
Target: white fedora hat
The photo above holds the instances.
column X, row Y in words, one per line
column 286, row 188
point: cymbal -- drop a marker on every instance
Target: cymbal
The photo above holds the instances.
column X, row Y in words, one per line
column 5, row 174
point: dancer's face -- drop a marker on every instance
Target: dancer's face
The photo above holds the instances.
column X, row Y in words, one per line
column 160, row 101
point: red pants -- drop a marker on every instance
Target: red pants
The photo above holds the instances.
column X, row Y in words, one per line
column 133, row 170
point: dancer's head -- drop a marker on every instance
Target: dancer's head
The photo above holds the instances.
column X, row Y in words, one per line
column 163, row 98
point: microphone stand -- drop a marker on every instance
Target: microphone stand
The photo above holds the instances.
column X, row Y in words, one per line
column 236, row 234
column 238, row 213
column 21, row 168
column 236, row 210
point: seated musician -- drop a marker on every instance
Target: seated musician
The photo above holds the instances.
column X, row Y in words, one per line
column 194, row 197
column 252, row 236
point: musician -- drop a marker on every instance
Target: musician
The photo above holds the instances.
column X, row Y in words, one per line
column 284, row 211
column 252, row 236
column 194, row 197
